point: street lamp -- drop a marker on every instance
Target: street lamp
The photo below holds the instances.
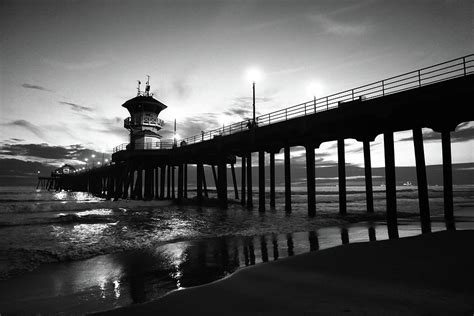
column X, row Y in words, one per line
column 92, row 161
column 86, row 160
column 315, row 89
column 253, row 74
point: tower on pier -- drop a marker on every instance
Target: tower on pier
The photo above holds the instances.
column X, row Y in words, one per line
column 143, row 122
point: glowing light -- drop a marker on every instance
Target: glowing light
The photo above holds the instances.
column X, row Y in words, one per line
column 87, row 159
column 93, row 156
column 60, row 195
column 254, row 74
column 99, row 212
column 315, row 89
column 98, row 162
column 117, row 288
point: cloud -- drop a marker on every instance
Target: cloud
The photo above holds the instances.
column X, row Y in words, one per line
column 36, row 87
column 192, row 126
column 111, row 126
column 29, row 126
column 47, row 152
column 460, row 135
column 35, row 150
column 15, row 140
column 181, row 88
column 76, row 107
column 76, row 65
column 19, row 172
column 333, row 27
column 241, row 107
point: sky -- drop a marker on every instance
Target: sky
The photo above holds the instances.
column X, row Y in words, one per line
column 67, row 66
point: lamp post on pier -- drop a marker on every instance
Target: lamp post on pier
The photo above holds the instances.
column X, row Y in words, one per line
column 253, row 90
column 254, row 75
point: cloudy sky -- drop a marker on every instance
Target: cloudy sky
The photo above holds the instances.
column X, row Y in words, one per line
column 68, row 65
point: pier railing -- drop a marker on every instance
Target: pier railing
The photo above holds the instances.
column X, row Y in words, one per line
column 422, row 77
column 447, row 70
column 145, row 146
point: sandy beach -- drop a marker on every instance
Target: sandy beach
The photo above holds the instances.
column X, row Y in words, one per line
column 423, row 275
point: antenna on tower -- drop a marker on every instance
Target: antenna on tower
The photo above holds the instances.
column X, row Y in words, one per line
column 174, row 134
column 138, row 87
column 147, row 86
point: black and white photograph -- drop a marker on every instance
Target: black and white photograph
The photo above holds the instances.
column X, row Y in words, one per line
column 236, row 157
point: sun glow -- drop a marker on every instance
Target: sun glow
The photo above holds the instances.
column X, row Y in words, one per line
column 254, row 74
column 315, row 89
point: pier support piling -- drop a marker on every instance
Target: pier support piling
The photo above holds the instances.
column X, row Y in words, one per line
column 261, row 181
column 139, row 184
column 310, row 180
column 222, row 182
column 173, row 186
column 199, row 181
column 369, row 195
column 148, row 183
column 421, row 181
column 168, row 182
column 180, row 182
column 156, row 182
column 162, row 182
column 342, row 177
column 272, row 180
column 234, row 181
column 242, row 180
column 390, row 185
column 447, row 180
column 214, row 174
column 204, row 183
column 249, row 181
column 287, row 179
column 185, row 181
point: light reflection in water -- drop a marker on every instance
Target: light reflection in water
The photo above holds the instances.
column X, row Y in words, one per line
column 117, row 288
column 176, row 255
column 100, row 211
column 102, row 281
column 86, row 231
column 80, row 233
column 60, row 195
column 84, row 197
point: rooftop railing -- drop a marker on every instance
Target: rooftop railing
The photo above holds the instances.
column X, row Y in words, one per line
column 145, row 121
column 145, row 146
column 451, row 69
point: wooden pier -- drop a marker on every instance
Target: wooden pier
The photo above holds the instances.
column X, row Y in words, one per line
column 437, row 97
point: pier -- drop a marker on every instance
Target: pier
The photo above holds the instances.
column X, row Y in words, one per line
column 436, row 97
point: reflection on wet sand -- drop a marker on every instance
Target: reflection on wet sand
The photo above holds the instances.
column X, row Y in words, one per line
column 134, row 277
column 275, row 247
column 313, row 241
column 372, row 236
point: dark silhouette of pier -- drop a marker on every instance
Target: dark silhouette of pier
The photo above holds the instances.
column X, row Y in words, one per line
column 437, row 97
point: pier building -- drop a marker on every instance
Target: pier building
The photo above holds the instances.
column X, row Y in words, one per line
column 143, row 122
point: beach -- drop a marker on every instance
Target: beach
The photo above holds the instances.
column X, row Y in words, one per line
column 74, row 253
column 423, row 275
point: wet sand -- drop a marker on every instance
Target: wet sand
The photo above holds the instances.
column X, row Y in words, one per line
column 431, row 274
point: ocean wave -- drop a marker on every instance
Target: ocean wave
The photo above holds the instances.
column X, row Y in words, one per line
column 69, row 206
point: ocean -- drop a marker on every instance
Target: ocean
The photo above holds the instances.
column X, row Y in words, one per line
column 71, row 252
